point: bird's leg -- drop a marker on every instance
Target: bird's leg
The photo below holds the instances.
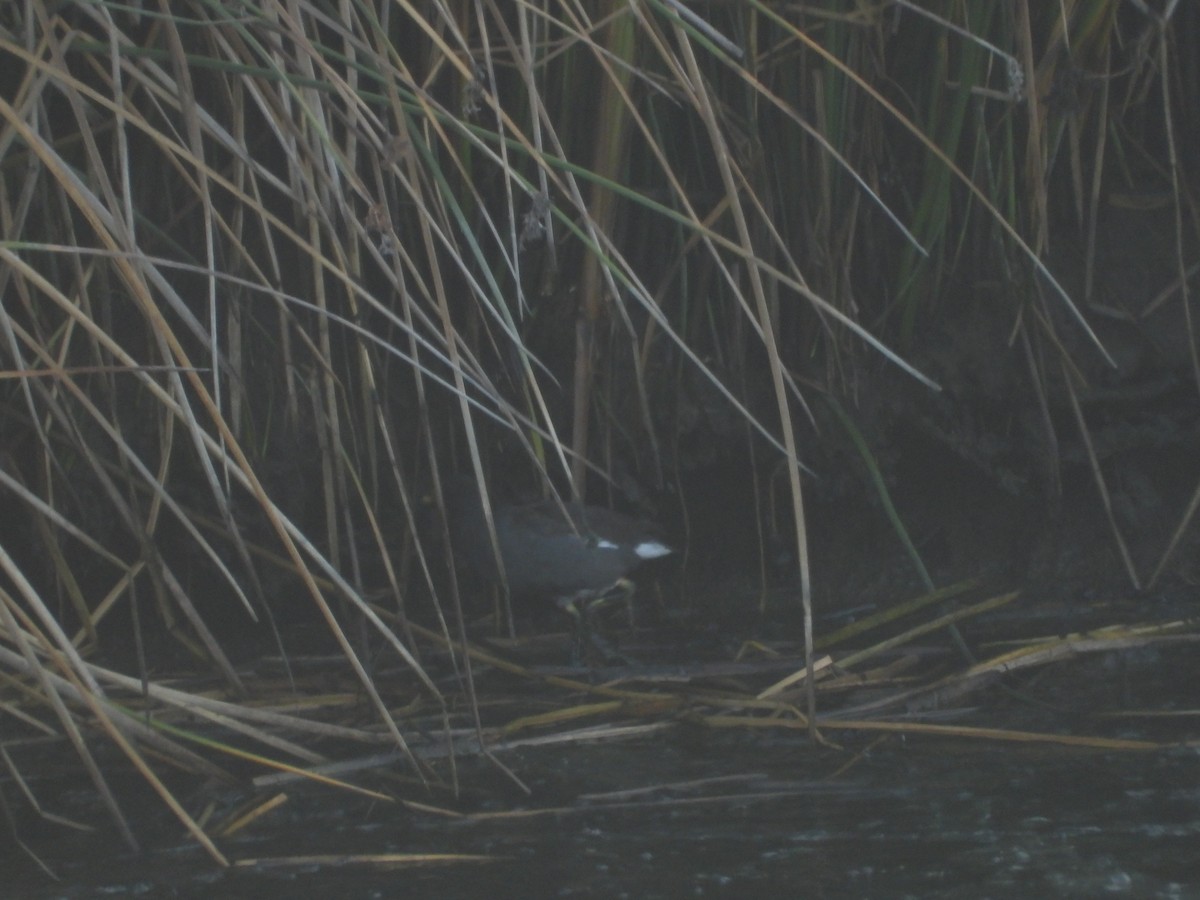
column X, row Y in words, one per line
column 619, row 592
column 581, row 608
column 570, row 606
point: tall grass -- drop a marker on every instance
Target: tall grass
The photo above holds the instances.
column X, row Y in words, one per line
column 267, row 267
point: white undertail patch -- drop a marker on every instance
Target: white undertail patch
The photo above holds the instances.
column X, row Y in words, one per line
column 651, row 550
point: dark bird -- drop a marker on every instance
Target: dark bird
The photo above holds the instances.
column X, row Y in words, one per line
column 579, row 559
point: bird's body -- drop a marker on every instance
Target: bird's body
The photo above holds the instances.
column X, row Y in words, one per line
column 571, row 557
column 546, row 554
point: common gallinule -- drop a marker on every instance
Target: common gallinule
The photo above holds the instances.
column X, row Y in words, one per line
column 578, row 559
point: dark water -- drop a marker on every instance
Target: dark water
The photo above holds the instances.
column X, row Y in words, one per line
column 910, row 818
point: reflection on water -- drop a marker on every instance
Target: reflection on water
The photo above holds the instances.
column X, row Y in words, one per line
column 911, row 819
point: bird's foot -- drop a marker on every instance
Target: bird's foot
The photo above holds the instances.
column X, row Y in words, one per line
column 581, row 611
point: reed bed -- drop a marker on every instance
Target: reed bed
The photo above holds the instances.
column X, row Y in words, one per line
column 270, row 271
